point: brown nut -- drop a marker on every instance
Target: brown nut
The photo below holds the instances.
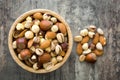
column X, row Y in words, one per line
column 50, row 35
column 37, row 15
column 85, row 40
column 60, row 37
column 45, row 44
column 79, row 49
column 21, row 43
column 62, row 28
column 25, row 54
column 62, row 53
column 92, row 46
column 102, row 40
column 64, row 46
column 30, row 43
column 45, row 25
column 91, row 57
column 98, row 52
column 44, row 58
column 96, row 38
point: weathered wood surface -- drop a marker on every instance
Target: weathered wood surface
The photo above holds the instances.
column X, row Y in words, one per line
column 78, row 14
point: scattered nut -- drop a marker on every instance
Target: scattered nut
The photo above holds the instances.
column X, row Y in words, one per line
column 85, row 46
column 78, row 38
column 99, row 46
column 98, row 52
column 96, row 38
column 79, row 49
column 84, row 32
column 92, row 28
column 100, row 31
column 91, row 57
column 82, row 58
column 91, row 34
column 86, row 51
column 102, row 40
column 85, row 40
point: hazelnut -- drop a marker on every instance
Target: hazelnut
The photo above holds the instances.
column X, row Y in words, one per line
column 19, row 26
column 46, row 16
column 37, row 15
column 28, row 24
column 64, row 46
column 35, row 28
column 29, row 18
column 53, row 19
column 59, row 58
column 60, row 37
column 44, row 58
column 14, row 45
column 25, row 54
column 29, row 34
column 54, row 60
column 91, row 57
column 54, row 28
column 21, row 43
column 45, row 25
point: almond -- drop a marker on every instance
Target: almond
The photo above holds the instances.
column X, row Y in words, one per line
column 96, row 38
column 62, row 28
column 37, row 16
column 102, row 40
column 79, row 49
column 85, row 40
column 50, row 35
column 30, row 43
column 98, row 52
column 45, row 44
column 45, row 25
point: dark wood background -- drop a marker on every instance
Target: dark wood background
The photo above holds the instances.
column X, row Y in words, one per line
column 78, row 13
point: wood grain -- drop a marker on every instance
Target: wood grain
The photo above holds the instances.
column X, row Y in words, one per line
column 78, row 13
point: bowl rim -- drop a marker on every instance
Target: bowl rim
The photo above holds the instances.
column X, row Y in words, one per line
column 22, row 17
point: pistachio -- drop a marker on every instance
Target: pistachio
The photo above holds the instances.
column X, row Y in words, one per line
column 84, row 32
column 82, row 58
column 14, row 45
column 37, row 22
column 53, row 44
column 32, row 48
column 60, row 37
column 46, row 16
column 19, row 56
column 39, row 51
column 54, row 28
column 54, row 60
column 59, row 58
column 47, row 66
column 58, row 49
column 53, row 19
column 78, row 38
column 20, row 26
column 29, row 18
column 53, row 54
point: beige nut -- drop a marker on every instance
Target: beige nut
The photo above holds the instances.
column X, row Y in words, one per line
column 54, row 60
column 53, row 19
column 39, row 51
column 91, row 34
column 85, row 46
column 48, row 49
column 46, row 16
column 36, row 39
column 20, row 26
column 100, row 31
column 99, row 46
column 92, row 28
column 28, row 24
column 14, row 45
column 48, row 66
column 59, row 58
column 35, row 66
column 84, row 32
column 87, row 51
column 53, row 54
column 29, row 18
column 78, row 38
column 60, row 37
column 42, row 40
column 53, row 44
column 82, row 58
column 19, row 56
column 58, row 49
column 32, row 48
column 29, row 34
column 35, row 28
column 37, row 22
column 54, row 28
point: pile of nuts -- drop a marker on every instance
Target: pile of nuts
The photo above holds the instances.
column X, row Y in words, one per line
column 90, row 43
column 40, row 41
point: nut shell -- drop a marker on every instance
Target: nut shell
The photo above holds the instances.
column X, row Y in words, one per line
column 25, row 54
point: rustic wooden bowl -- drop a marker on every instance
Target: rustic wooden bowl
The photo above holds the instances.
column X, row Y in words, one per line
column 10, row 39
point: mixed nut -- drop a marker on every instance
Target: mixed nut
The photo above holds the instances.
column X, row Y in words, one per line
column 90, row 43
column 40, row 41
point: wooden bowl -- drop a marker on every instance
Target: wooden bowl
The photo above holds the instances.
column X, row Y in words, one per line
column 10, row 40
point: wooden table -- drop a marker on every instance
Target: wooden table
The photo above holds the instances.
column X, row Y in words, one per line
column 78, row 13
